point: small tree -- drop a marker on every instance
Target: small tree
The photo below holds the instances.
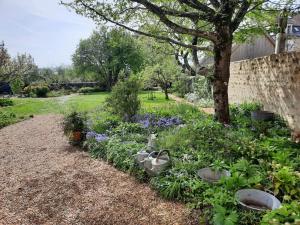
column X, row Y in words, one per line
column 162, row 74
column 124, row 99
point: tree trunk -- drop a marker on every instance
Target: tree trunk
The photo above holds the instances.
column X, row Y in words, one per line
column 221, row 80
column 166, row 94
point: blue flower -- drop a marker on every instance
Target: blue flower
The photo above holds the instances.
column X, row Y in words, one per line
column 91, row 134
column 101, row 137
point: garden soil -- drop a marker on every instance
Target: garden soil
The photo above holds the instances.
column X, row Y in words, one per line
column 43, row 180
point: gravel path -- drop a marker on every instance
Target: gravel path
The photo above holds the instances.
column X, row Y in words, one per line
column 45, row 181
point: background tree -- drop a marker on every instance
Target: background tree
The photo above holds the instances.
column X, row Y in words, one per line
column 105, row 53
column 19, row 68
column 198, row 24
column 162, row 74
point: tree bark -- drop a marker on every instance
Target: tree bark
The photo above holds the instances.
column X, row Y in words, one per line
column 222, row 53
column 166, row 94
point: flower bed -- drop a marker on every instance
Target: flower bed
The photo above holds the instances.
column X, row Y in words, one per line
column 258, row 155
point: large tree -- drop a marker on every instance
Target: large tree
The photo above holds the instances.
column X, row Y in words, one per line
column 20, row 67
column 197, row 24
column 106, row 53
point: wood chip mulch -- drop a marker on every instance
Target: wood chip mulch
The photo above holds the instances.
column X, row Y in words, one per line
column 45, row 181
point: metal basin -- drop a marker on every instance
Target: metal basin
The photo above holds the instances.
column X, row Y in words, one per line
column 253, row 199
column 212, row 176
column 262, row 115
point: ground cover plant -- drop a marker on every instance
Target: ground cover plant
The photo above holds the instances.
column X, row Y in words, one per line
column 6, row 102
column 258, row 155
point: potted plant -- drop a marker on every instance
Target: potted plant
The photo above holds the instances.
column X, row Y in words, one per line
column 74, row 126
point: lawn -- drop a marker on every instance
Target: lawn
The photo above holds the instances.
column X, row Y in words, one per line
column 26, row 107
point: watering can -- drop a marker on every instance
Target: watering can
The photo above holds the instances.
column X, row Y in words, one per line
column 154, row 165
column 140, row 157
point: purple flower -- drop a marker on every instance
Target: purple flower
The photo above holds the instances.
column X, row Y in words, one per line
column 91, row 134
column 101, row 137
column 97, row 137
column 151, row 120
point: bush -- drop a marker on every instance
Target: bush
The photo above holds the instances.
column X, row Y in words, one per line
column 6, row 102
column 87, row 90
column 6, row 118
column 74, row 121
column 124, row 99
column 38, row 90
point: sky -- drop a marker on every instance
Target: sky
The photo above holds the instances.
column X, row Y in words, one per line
column 43, row 28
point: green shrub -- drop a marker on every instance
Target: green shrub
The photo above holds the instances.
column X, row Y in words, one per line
column 287, row 214
column 124, row 100
column 6, row 118
column 87, row 90
column 38, row 90
column 17, row 86
column 74, row 121
column 105, row 122
column 182, row 85
column 6, row 102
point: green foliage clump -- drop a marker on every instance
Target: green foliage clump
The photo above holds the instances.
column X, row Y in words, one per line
column 287, row 214
column 37, row 90
column 74, row 121
column 124, row 100
column 203, row 88
column 6, row 118
column 256, row 158
column 182, row 85
column 87, row 90
column 6, row 102
column 105, row 122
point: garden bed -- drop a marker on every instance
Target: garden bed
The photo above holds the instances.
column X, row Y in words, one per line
column 258, row 155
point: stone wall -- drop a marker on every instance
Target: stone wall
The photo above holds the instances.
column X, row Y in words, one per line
column 273, row 81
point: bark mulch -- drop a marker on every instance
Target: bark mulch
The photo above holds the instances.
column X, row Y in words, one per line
column 45, row 181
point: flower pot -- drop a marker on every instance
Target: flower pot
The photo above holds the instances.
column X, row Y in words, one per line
column 262, row 115
column 76, row 137
column 212, row 176
column 253, row 199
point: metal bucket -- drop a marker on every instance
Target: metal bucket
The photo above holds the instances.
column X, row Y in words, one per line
column 262, row 115
column 212, row 176
column 253, row 199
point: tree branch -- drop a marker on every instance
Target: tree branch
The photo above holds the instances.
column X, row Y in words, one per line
column 164, row 38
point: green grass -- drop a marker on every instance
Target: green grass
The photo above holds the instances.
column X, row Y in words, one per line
column 25, row 107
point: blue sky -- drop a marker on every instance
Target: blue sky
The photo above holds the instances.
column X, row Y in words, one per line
column 43, row 28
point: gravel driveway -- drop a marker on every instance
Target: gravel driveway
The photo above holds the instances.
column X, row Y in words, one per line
column 45, row 181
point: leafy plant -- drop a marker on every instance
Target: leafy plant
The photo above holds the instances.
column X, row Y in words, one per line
column 222, row 216
column 38, row 90
column 287, row 214
column 74, row 121
column 6, row 102
column 123, row 100
column 286, row 182
column 6, row 118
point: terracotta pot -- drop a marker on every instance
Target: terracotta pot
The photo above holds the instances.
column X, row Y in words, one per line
column 76, row 136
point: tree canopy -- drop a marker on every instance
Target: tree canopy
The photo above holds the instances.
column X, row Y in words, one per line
column 107, row 52
column 20, row 67
column 199, row 25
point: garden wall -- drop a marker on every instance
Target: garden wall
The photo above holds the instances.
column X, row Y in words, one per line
column 273, row 81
